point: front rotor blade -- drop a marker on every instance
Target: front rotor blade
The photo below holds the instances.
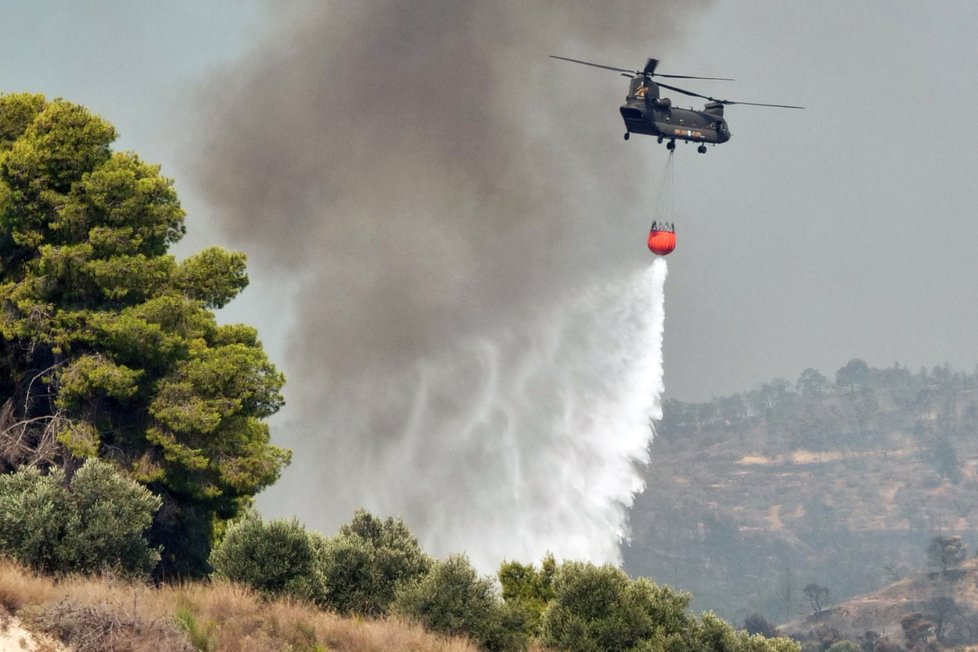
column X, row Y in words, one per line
column 713, row 99
column 659, row 74
column 778, row 106
column 597, row 65
column 690, row 93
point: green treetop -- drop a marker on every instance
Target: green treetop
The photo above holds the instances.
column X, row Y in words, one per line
column 108, row 345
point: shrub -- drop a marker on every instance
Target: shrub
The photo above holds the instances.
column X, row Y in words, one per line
column 111, row 512
column 365, row 564
column 528, row 590
column 34, row 514
column 600, row 608
column 452, row 599
column 93, row 522
column 597, row 608
column 274, row 558
column 845, row 646
column 758, row 624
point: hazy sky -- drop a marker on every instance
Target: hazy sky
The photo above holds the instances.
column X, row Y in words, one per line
column 811, row 237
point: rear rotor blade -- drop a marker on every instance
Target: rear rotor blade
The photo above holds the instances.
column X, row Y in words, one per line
column 597, row 65
column 649, row 70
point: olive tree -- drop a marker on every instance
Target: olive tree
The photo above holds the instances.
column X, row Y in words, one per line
column 96, row 520
column 275, row 558
column 599, row 608
column 368, row 561
column 453, row 599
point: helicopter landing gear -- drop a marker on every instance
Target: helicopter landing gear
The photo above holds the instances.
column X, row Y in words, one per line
column 671, row 145
column 627, row 134
column 701, row 149
column 660, row 140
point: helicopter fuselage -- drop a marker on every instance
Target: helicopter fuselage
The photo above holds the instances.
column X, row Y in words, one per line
column 644, row 112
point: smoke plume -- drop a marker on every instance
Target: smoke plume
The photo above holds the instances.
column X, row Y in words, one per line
column 475, row 338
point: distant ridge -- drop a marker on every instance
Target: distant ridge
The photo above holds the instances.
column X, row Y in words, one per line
column 837, row 481
column 944, row 601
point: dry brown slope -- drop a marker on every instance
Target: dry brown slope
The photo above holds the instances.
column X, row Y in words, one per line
column 883, row 610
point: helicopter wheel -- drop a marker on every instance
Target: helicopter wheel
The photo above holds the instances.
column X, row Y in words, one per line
column 671, row 145
column 701, row 149
column 627, row 134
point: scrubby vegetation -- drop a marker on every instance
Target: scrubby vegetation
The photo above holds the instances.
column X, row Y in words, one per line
column 565, row 606
column 375, row 568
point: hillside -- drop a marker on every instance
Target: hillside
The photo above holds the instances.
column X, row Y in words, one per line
column 753, row 496
column 935, row 606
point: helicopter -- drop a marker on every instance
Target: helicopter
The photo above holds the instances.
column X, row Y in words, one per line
column 645, row 112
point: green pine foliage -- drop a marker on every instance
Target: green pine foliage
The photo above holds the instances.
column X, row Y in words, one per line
column 95, row 521
column 108, row 345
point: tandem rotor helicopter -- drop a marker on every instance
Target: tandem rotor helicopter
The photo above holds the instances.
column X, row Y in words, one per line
column 645, row 112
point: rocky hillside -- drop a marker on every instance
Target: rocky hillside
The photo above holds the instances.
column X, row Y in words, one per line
column 929, row 607
column 841, row 483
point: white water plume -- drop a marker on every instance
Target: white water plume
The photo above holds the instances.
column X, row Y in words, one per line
column 525, row 442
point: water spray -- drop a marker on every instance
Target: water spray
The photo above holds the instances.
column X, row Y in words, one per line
column 529, row 440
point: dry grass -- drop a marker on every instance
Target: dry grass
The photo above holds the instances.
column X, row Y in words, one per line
column 105, row 614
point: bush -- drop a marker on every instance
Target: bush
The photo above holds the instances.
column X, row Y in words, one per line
column 96, row 521
column 453, row 600
column 600, row 608
column 845, row 646
column 275, row 558
column 527, row 590
column 758, row 624
column 597, row 608
column 364, row 565
column 34, row 515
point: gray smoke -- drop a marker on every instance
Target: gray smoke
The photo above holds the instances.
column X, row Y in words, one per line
column 437, row 195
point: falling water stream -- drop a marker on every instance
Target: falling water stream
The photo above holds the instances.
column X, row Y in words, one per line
column 526, row 441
